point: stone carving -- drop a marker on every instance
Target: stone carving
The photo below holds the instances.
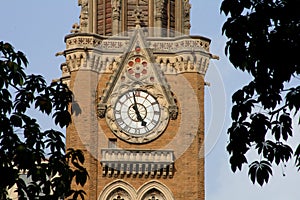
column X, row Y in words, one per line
column 83, row 41
column 173, row 112
column 116, row 8
column 154, row 194
column 75, row 28
column 120, row 163
column 170, row 63
column 150, row 189
column 187, row 10
column 174, row 46
column 101, row 110
column 159, row 8
column 151, row 135
column 119, row 194
column 138, row 16
column 83, row 15
column 138, row 71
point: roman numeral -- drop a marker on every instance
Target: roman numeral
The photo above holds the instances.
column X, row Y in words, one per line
column 120, row 121
column 127, row 128
column 154, row 122
column 137, row 93
column 137, row 131
column 156, row 113
column 127, row 96
column 146, row 129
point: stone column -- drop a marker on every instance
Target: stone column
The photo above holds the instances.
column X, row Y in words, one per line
column 116, row 16
column 159, row 11
column 186, row 17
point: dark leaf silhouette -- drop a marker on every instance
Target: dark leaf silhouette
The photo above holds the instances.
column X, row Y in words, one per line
column 24, row 145
column 263, row 38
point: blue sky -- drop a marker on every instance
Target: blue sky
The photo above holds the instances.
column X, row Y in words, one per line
column 38, row 29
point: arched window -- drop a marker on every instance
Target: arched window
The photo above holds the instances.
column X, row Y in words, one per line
column 118, row 190
column 119, row 194
column 154, row 194
column 154, row 190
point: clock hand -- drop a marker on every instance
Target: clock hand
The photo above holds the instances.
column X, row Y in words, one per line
column 137, row 112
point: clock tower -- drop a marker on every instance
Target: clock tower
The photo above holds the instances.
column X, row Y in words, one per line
column 138, row 109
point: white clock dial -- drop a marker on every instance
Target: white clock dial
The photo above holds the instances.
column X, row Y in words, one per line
column 137, row 112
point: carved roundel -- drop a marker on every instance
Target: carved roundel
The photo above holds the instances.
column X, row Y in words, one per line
column 137, row 116
column 137, row 68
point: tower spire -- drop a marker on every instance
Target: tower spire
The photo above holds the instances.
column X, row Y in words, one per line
column 115, row 16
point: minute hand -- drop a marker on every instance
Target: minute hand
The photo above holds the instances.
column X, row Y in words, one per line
column 137, row 112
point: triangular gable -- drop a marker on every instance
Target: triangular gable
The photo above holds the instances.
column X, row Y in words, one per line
column 138, row 70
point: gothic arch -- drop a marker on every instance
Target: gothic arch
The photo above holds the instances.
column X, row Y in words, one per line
column 154, row 187
column 117, row 189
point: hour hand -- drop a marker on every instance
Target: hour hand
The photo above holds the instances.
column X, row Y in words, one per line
column 137, row 112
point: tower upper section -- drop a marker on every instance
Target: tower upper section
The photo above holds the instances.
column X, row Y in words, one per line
column 111, row 17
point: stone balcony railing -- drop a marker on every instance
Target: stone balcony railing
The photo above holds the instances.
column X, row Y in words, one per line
column 120, row 162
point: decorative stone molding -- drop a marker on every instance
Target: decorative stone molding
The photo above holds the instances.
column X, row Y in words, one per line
column 75, row 61
column 116, row 16
column 173, row 55
column 187, row 17
column 116, row 9
column 138, row 15
column 84, row 15
column 160, row 191
column 123, row 190
column 176, row 64
column 65, row 70
column 179, row 45
column 173, row 112
column 138, row 138
column 119, row 194
column 137, row 71
column 160, row 9
column 75, row 28
column 119, row 162
column 80, row 40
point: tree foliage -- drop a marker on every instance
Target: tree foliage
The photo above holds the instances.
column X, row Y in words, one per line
column 263, row 40
column 24, row 147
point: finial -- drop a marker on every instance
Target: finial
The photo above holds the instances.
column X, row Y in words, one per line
column 138, row 15
column 75, row 28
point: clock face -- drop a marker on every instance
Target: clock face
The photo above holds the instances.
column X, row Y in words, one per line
column 137, row 113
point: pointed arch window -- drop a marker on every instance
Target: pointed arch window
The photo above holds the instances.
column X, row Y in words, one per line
column 154, row 194
column 119, row 194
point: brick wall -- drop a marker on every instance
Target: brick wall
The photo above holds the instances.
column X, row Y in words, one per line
column 188, row 180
